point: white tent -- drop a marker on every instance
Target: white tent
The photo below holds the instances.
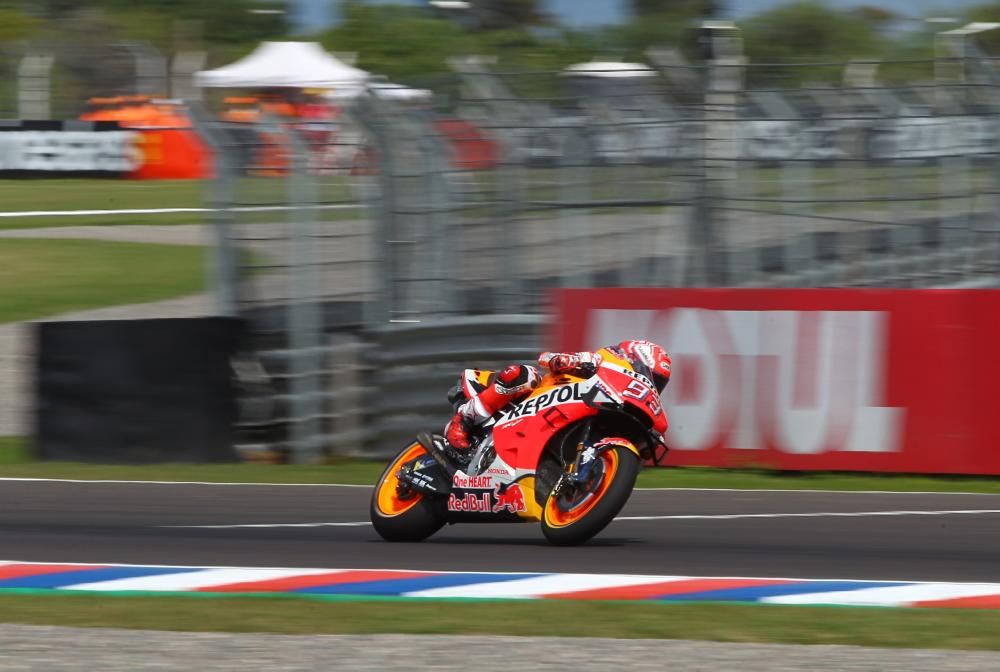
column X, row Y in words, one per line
column 386, row 90
column 283, row 64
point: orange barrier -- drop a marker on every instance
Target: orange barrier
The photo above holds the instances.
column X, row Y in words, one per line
column 168, row 147
column 171, row 154
column 471, row 148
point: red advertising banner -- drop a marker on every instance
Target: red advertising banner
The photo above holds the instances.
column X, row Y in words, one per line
column 814, row 379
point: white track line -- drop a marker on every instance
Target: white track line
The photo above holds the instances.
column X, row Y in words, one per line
column 163, row 211
column 483, row 570
column 820, row 490
column 310, row 569
column 114, row 481
column 720, row 516
column 362, row 523
column 354, row 485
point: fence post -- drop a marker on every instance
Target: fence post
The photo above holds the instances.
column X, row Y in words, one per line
column 505, row 117
column 440, row 293
column 722, row 88
column 150, row 68
column 304, row 317
column 34, row 86
column 575, row 187
column 182, row 69
column 368, row 111
column 222, row 267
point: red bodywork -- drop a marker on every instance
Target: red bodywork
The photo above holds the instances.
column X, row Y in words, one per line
column 522, row 433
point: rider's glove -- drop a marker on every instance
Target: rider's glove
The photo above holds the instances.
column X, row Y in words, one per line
column 562, row 363
column 587, row 362
column 583, row 363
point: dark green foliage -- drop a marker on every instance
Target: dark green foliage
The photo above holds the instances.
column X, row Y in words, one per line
column 705, row 8
column 226, row 21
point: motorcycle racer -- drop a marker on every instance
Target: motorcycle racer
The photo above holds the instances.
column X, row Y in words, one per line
column 516, row 382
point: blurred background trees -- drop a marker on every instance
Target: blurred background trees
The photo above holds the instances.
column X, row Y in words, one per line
column 413, row 41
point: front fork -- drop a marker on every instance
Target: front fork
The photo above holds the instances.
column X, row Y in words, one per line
column 580, row 471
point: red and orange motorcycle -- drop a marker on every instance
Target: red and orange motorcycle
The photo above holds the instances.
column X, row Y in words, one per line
column 567, row 456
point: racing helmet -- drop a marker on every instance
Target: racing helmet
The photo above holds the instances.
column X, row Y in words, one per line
column 650, row 355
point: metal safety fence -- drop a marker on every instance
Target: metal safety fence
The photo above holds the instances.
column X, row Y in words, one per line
column 375, row 255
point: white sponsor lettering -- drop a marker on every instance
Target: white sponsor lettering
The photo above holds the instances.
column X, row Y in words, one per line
column 111, row 151
column 460, row 480
column 804, row 382
column 914, row 134
column 535, row 404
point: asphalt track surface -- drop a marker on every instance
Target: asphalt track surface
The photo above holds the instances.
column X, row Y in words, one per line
column 800, row 534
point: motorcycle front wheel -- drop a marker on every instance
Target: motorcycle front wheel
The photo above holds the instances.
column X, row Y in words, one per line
column 576, row 514
column 398, row 512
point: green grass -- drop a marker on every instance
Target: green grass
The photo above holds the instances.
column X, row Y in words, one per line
column 16, row 461
column 751, row 479
column 91, row 194
column 96, row 194
column 931, row 628
column 13, row 450
column 40, row 278
column 606, row 183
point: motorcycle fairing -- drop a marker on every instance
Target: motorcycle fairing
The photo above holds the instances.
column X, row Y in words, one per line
column 636, row 390
column 522, row 432
column 492, row 498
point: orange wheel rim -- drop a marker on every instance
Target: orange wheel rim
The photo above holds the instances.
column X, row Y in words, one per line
column 558, row 517
column 388, row 499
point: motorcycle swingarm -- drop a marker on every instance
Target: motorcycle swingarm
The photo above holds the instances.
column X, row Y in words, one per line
column 426, row 475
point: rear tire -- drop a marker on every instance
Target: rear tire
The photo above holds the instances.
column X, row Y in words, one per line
column 572, row 520
column 398, row 514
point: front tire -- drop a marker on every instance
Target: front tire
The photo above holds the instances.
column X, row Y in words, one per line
column 399, row 513
column 572, row 518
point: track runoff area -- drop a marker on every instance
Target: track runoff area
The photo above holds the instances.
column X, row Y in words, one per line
column 747, row 546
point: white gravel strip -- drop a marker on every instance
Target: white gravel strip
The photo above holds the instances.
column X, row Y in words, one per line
column 58, row 649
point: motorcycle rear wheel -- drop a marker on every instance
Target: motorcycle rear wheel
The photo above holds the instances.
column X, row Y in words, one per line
column 573, row 518
column 399, row 513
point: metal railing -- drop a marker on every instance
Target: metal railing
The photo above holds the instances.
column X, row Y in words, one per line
column 403, row 241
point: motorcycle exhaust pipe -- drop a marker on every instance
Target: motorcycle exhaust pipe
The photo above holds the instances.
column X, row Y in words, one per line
column 427, row 441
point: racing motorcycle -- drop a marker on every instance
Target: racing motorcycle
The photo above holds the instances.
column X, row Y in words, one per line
column 567, row 457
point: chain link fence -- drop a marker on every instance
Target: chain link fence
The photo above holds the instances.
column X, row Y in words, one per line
column 296, row 258
column 345, row 241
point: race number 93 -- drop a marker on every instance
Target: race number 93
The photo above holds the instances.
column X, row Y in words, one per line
column 639, row 392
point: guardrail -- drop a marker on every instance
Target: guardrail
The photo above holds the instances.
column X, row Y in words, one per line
column 414, row 366
column 375, row 389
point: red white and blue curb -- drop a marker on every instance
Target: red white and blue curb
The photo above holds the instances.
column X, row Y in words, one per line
column 18, row 577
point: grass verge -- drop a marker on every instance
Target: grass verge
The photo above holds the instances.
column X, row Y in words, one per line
column 908, row 628
column 16, row 462
column 13, row 450
column 40, row 278
column 94, row 194
column 110, row 194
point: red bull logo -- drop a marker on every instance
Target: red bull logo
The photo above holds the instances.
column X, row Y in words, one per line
column 510, row 498
column 470, row 503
